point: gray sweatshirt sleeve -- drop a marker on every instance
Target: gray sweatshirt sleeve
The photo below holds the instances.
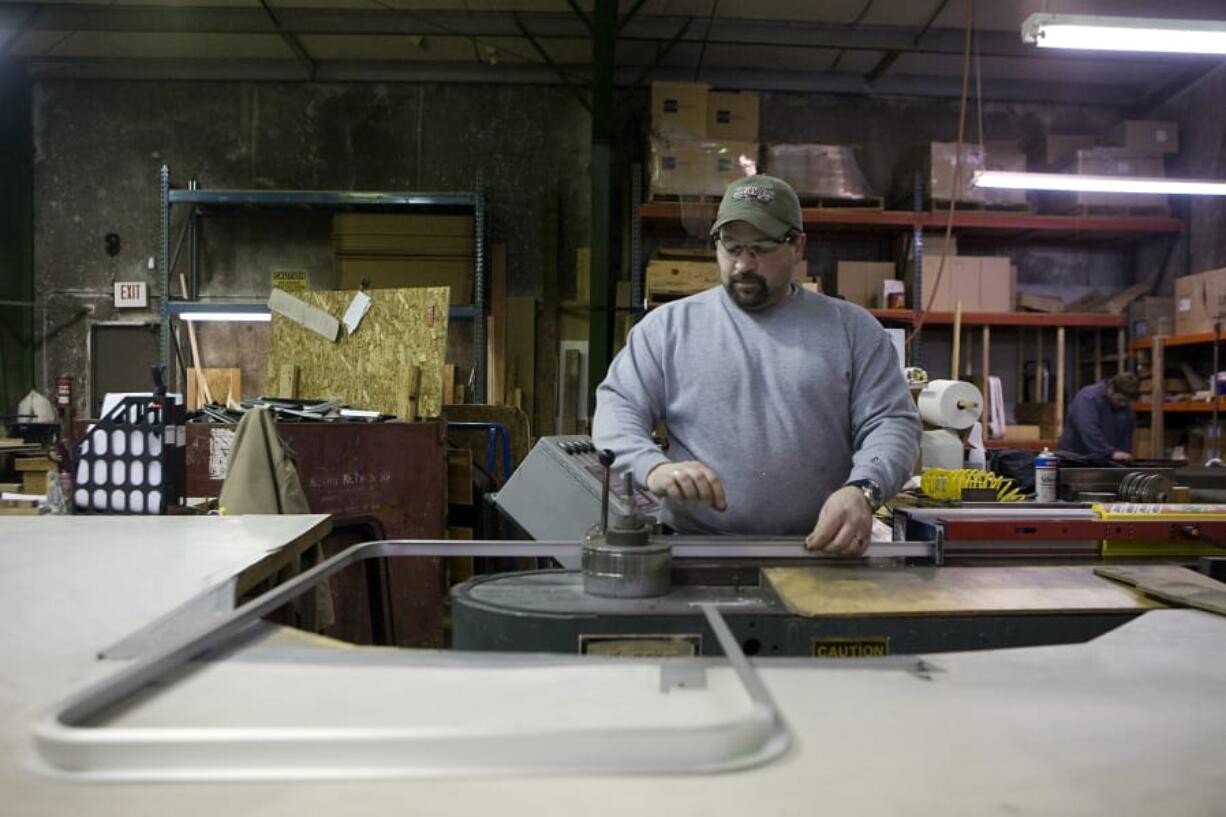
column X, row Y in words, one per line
column 885, row 424
column 630, row 403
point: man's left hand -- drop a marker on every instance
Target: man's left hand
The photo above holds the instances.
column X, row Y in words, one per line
column 844, row 525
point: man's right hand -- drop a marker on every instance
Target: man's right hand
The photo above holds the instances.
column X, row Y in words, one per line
column 1121, row 456
column 688, row 481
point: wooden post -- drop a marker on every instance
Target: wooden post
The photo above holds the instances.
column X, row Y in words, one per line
column 1158, row 400
column 448, row 384
column 987, row 380
column 1059, row 381
column 1040, row 384
column 1098, row 355
column 287, row 381
column 1121, row 348
column 1021, row 365
column 1076, row 363
column 955, row 354
column 411, row 391
column 570, row 392
column 496, row 342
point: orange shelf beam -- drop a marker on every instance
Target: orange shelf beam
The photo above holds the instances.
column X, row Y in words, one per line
column 1176, row 340
column 1202, row 407
column 984, row 220
column 1070, row 320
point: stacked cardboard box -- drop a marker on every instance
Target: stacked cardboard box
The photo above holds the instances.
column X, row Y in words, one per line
column 1146, row 135
column 1153, row 316
column 861, row 282
column 700, row 140
column 1117, row 161
column 982, row 284
column 405, row 250
column 1200, row 299
column 942, row 157
column 819, row 171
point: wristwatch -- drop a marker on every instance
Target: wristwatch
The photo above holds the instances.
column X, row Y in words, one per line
column 872, row 493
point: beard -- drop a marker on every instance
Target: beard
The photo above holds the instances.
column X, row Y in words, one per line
column 748, row 290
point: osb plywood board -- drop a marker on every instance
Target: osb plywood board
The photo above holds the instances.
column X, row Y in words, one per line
column 865, row 591
column 370, row 369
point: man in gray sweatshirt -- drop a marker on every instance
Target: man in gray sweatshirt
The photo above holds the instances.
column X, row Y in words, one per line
column 787, row 411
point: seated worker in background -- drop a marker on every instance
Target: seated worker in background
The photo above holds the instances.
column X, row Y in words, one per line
column 787, row 410
column 1100, row 420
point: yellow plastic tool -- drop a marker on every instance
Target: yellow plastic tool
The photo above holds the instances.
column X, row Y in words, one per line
column 942, row 483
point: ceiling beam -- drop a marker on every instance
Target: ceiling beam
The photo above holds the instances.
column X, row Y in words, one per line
column 890, row 57
column 291, row 40
column 545, row 26
column 894, row 85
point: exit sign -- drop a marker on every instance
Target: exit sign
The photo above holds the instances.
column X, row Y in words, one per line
column 130, row 294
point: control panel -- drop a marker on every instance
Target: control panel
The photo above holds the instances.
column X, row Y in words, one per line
column 555, row 492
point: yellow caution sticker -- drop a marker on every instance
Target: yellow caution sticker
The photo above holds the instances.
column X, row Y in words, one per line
column 872, row 647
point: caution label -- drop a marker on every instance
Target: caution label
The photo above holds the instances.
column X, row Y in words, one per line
column 874, row 647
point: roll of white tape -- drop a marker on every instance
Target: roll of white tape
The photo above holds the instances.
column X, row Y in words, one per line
column 950, row 404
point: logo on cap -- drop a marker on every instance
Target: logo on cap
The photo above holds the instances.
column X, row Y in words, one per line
column 762, row 195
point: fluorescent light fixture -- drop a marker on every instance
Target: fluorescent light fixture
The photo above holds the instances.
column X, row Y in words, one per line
column 1095, row 33
column 1003, row 180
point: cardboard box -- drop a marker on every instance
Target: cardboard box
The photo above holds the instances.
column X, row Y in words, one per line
column 941, row 156
column 402, row 244
column 732, row 116
column 1061, row 148
column 1198, row 299
column 996, row 285
column 1042, row 415
column 1114, row 161
column 398, row 273
column 728, row 163
column 681, row 167
column 1146, row 134
column 1022, row 433
column 679, row 108
column 860, row 281
column 676, row 167
column 681, row 277
column 420, row 224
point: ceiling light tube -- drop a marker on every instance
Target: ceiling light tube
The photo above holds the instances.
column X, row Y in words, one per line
column 1003, row 180
column 1096, row 33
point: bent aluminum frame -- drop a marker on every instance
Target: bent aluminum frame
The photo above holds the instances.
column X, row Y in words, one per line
column 70, row 740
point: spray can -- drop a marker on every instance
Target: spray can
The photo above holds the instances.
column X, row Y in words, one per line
column 1046, row 476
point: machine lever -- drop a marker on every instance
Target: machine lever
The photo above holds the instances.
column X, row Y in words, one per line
column 606, row 458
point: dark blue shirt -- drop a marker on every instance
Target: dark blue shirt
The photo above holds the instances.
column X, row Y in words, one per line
column 1094, row 427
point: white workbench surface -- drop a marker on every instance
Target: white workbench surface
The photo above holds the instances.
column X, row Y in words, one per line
column 1133, row 723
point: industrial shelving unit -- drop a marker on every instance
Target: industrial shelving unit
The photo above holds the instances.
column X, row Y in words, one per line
column 1157, row 407
column 202, row 202
column 1005, row 226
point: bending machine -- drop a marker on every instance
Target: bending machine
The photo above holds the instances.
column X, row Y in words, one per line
column 979, row 576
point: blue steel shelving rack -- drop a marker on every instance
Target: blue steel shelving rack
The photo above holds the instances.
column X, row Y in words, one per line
column 339, row 200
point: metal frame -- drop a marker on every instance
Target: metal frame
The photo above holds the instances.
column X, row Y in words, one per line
column 321, row 199
column 71, row 739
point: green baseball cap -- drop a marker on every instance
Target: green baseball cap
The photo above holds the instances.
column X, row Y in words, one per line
column 767, row 203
